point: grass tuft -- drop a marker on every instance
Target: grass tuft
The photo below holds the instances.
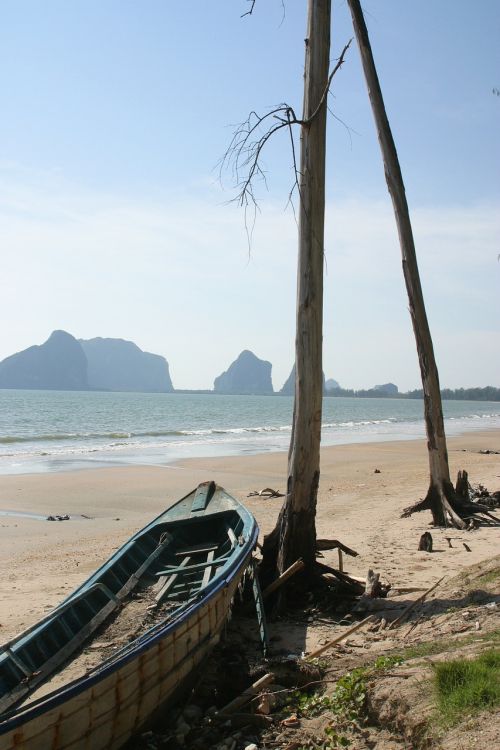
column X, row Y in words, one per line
column 467, row 687
column 490, row 577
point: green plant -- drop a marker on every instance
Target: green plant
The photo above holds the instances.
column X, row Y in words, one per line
column 349, row 696
column 466, row 687
column 333, row 741
column 387, row 662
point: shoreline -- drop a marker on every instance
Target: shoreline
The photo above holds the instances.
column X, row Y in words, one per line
column 44, row 561
column 154, row 457
column 46, row 432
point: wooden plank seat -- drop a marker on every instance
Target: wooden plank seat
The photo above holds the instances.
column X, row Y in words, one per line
column 197, row 549
column 166, row 582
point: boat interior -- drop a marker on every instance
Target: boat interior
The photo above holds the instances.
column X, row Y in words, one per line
column 173, row 560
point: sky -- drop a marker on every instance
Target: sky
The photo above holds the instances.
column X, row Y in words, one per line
column 115, row 220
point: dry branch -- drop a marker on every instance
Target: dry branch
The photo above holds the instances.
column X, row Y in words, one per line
column 326, row 544
column 339, row 638
column 248, row 694
column 412, row 606
column 288, row 573
column 245, row 149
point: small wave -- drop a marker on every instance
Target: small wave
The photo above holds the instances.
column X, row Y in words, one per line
column 63, row 437
column 473, row 417
column 359, row 423
column 10, row 439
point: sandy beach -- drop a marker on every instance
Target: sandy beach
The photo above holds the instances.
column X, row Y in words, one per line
column 43, row 561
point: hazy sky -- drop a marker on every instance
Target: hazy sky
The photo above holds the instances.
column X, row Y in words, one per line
column 113, row 221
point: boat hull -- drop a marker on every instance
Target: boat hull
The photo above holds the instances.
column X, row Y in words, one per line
column 107, row 707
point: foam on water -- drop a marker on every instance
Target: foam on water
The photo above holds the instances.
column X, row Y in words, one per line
column 53, row 431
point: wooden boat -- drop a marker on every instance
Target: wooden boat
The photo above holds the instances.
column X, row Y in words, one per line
column 183, row 570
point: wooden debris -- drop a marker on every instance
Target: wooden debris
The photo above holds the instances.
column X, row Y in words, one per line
column 467, row 547
column 353, row 585
column 412, row 606
column 248, row 694
column 288, row 573
column 448, row 539
column 339, row 638
column 372, row 585
column 266, row 492
column 326, row 544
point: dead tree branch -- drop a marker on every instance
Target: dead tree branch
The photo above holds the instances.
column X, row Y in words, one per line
column 249, row 12
column 244, row 153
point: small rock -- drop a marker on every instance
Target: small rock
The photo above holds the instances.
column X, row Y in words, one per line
column 252, row 746
column 491, row 605
column 377, row 471
column 478, row 625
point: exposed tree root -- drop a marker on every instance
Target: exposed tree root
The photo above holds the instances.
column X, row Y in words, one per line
column 459, row 506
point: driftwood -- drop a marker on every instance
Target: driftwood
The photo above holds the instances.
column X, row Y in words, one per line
column 374, row 590
column 325, row 544
column 266, row 492
column 248, row 694
column 288, row 573
column 414, row 604
column 353, row 586
column 372, row 584
column 339, row 638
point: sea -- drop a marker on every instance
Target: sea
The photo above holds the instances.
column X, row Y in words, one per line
column 48, row 431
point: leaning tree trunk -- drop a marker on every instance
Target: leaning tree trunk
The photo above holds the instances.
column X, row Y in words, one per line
column 295, row 532
column 440, row 494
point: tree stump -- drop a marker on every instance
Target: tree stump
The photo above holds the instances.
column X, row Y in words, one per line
column 425, row 543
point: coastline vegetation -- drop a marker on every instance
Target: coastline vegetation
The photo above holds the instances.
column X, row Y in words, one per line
column 489, row 393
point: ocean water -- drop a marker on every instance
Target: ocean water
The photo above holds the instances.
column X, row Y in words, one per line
column 44, row 431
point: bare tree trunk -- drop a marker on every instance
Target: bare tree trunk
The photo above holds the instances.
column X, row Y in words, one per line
column 295, row 532
column 440, row 493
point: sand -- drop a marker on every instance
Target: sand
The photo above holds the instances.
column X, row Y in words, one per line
column 44, row 561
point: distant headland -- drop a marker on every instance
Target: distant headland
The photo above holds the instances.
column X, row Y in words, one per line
column 107, row 364
column 65, row 363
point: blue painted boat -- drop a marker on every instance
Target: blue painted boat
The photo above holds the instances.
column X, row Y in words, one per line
column 174, row 581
